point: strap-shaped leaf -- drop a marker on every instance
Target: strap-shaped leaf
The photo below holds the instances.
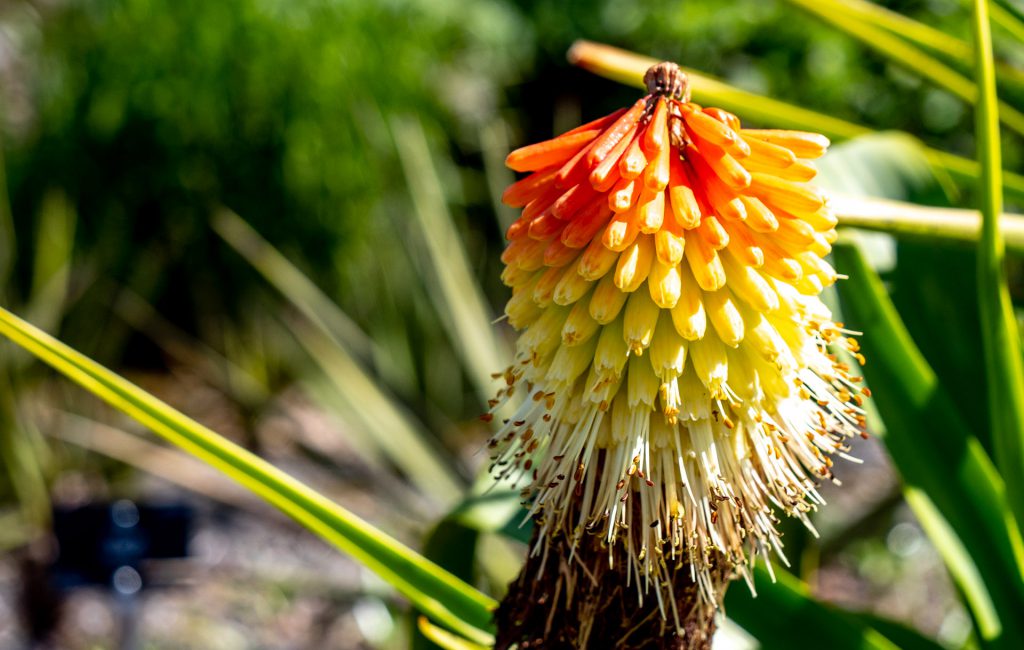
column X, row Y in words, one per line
column 433, row 590
column 444, row 638
column 837, row 14
column 936, row 453
column 337, row 345
column 785, row 615
column 1003, row 370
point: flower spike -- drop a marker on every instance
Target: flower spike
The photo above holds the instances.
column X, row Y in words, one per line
column 680, row 374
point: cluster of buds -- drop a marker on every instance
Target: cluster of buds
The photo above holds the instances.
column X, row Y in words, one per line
column 681, row 381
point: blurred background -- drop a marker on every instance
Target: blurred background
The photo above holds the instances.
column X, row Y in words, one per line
column 282, row 217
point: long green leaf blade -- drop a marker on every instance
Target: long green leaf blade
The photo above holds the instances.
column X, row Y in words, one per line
column 919, row 33
column 938, row 42
column 446, row 639
column 936, row 453
column 895, row 48
column 19, row 458
column 334, row 343
column 771, row 615
column 291, row 282
column 382, row 421
column 1001, row 339
column 628, row 68
column 455, row 290
column 432, row 589
column 1009, row 16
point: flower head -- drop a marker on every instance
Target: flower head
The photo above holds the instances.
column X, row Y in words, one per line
column 679, row 370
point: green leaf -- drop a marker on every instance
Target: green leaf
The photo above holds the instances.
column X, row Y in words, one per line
column 899, row 634
column 895, row 48
column 381, row 422
column 933, row 279
column 935, row 452
column 879, row 181
column 887, row 165
column 337, row 345
column 433, row 590
column 153, row 458
column 628, row 68
column 924, row 35
column 446, row 639
column 293, row 284
column 785, row 615
column 20, row 459
column 1003, row 368
column 55, row 239
column 453, row 287
column 1009, row 16
column 933, row 288
column 497, row 510
column 938, row 42
column 454, row 541
column 453, row 546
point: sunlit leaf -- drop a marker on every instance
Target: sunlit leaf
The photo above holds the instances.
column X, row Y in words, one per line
column 1003, row 367
column 454, row 288
column 446, row 639
column 432, row 589
column 935, row 452
column 904, row 53
column 339, row 347
column 785, row 615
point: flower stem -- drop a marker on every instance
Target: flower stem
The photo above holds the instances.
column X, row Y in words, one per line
column 571, row 596
column 1004, row 371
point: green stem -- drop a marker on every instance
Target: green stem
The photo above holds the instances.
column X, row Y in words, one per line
column 1004, row 372
column 926, row 223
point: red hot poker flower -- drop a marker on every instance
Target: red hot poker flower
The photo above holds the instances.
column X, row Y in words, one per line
column 677, row 365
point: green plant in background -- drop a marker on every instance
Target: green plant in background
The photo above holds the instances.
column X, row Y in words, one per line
column 947, row 449
column 167, row 111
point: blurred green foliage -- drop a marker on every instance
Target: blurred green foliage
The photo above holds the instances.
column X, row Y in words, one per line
column 148, row 114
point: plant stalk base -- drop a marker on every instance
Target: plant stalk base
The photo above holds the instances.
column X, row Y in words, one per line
column 562, row 601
